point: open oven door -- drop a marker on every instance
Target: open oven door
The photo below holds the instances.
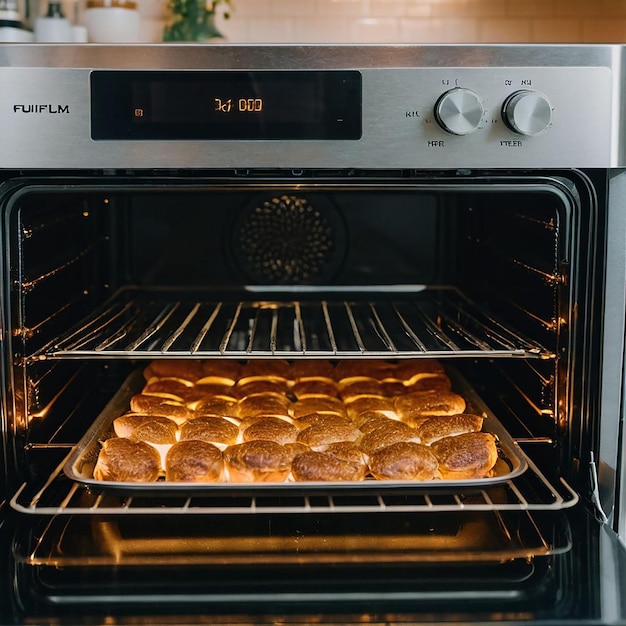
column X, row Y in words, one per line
column 528, row 551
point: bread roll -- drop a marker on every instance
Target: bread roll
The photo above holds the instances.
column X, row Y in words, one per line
column 212, row 387
column 127, row 423
column 258, row 461
column 262, row 404
column 261, row 385
column 218, row 406
column 438, row 427
column 306, row 406
column 427, row 404
column 322, row 419
column 370, row 403
column 156, row 406
column 352, row 388
column 338, row 462
column 174, row 368
column 160, row 434
column 414, row 369
column 371, row 420
column 387, row 434
column 371, row 368
column 437, row 382
column 210, row 429
column 472, row 455
column 311, row 387
column 275, row 368
column 194, row 461
column 403, row 460
column 271, row 429
column 324, row 434
column 221, row 368
column 156, row 431
column 302, row 370
column 173, row 388
column 125, row 460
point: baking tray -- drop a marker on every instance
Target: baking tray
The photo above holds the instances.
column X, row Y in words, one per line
column 81, row 461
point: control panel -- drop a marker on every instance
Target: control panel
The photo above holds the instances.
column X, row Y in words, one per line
column 289, row 108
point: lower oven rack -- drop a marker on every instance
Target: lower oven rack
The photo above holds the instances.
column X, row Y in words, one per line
column 532, row 491
column 389, row 322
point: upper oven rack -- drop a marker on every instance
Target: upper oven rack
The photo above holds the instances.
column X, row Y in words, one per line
column 321, row 323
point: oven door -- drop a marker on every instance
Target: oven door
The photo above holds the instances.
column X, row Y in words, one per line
column 102, row 274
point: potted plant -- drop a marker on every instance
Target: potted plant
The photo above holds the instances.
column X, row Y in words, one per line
column 194, row 20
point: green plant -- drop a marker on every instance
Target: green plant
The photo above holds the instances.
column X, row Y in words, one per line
column 194, row 20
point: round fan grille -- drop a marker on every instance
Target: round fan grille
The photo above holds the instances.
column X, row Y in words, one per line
column 286, row 240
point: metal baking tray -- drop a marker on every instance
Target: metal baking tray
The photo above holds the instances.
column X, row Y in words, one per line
column 81, row 461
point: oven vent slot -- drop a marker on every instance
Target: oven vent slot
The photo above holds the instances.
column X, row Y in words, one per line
column 531, row 491
column 439, row 322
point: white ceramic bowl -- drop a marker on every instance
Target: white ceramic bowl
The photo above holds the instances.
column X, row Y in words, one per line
column 112, row 25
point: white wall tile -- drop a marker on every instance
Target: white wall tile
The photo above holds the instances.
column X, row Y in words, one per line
column 322, row 30
column 402, row 21
column 375, row 30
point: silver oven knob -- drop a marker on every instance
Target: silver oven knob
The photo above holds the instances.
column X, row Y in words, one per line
column 527, row 112
column 459, row 111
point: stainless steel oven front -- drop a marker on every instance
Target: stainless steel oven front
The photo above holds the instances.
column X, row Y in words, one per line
column 352, row 212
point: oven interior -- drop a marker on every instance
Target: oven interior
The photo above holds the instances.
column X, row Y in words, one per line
column 493, row 274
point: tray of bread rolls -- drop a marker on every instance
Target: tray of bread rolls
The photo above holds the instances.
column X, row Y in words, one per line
column 179, row 426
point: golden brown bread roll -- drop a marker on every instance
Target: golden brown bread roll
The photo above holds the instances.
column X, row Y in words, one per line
column 370, row 403
column 160, row 434
column 357, row 386
column 210, row 429
column 271, row 429
column 306, row 406
column 222, row 406
column 341, row 461
column 154, row 405
column 173, row 388
column 212, row 387
column 322, row 419
column 258, row 461
column 256, row 385
column 440, row 426
column 371, row 420
column 311, row 368
column 311, row 387
column 439, row 382
column 428, row 403
column 320, row 435
column 124, row 425
column 370, row 368
column 472, row 455
column 125, row 460
column 264, row 404
column 194, row 461
column 275, row 368
column 412, row 370
column 156, row 431
column 174, row 368
column 387, row 434
column 222, row 368
column 403, row 460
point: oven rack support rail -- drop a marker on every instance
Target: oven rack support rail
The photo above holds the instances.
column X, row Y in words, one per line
column 436, row 322
column 531, row 491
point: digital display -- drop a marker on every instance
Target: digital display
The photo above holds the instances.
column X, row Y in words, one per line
column 226, row 105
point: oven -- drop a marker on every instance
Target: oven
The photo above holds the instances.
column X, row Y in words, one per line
column 358, row 208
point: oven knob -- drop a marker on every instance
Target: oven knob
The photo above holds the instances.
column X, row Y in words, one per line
column 459, row 111
column 527, row 112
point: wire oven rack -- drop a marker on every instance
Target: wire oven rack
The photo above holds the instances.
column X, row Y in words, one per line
column 531, row 491
column 438, row 322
